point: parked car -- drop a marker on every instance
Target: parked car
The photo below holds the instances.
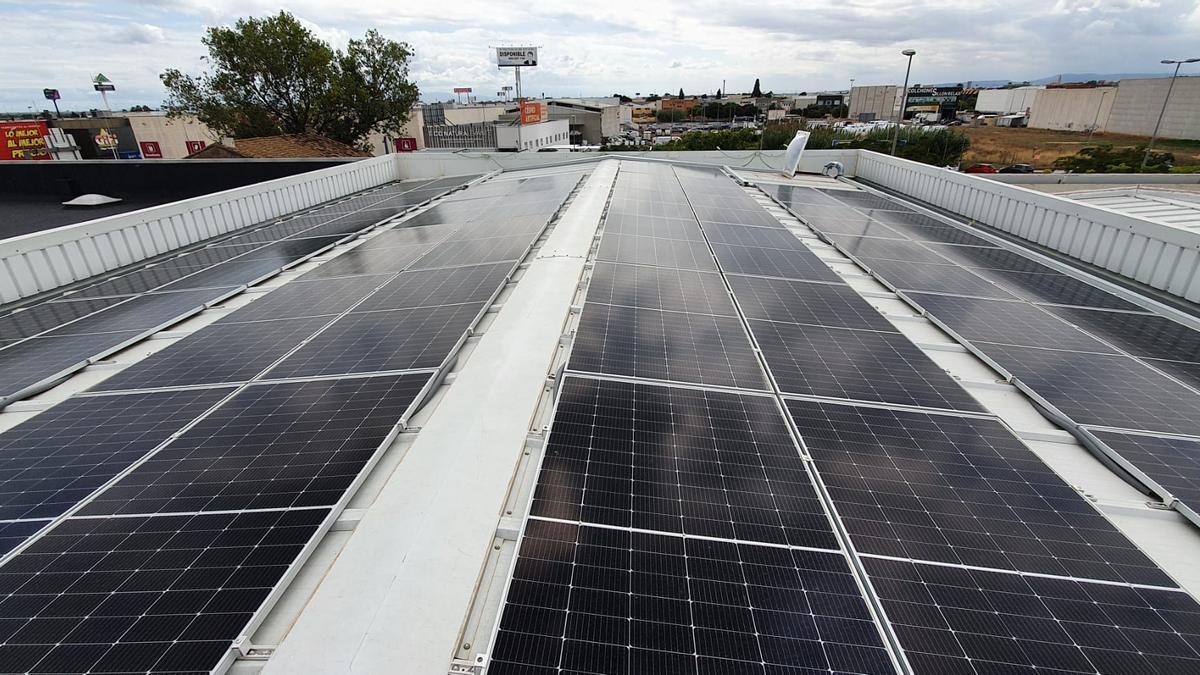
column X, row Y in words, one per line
column 980, row 168
column 1018, row 168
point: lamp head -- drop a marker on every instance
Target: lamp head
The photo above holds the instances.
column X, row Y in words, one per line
column 909, row 52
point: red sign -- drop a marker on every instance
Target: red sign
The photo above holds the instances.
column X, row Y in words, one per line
column 195, row 146
column 151, row 150
column 24, row 140
column 462, row 90
column 532, row 112
column 406, row 145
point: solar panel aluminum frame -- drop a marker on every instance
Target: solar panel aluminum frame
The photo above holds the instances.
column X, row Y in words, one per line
column 1110, row 456
column 61, row 375
column 870, row 598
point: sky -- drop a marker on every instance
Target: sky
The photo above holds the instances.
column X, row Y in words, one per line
column 626, row 46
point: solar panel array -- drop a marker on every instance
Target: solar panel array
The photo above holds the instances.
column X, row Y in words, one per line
column 108, row 314
column 1096, row 359
column 147, row 521
column 688, row 521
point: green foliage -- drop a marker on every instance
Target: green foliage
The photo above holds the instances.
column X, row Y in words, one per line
column 719, row 93
column 1107, row 159
column 724, row 111
column 814, row 111
column 1194, row 168
column 681, row 92
column 672, row 115
column 273, row 75
column 757, row 91
column 140, row 108
column 623, row 98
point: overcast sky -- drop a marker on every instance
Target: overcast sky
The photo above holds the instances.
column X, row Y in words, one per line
column 597, row 48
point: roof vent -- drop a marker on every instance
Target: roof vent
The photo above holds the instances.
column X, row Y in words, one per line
column 90, row 200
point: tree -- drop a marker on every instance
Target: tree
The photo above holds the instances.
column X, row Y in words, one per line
column 757, row 91
column 718, row 93
column 273, row 75
column 623, row 98
column 681, row 92
column 670, row 115
column 140, row 108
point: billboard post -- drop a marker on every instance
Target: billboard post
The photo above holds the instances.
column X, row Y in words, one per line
column 104, row 85
column 52, row 95
column 515, row 57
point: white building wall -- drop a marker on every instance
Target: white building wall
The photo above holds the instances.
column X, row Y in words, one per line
column 1139, row 102
column 1073, row 109
column 1007, row 101
column 534, row 136
column 881, row 100
column 171, row 135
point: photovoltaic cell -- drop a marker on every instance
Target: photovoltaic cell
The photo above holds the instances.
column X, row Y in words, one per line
column 1189, row 373
column 40, row 359
column 865, row 200
column 588, row 599
column 428, row 288
column 139, row 281
column 841, row 220
column 1014, row 323
column 784, row 300
column 956, row 620
column 791, row 194
column 1114, row 391
column 639, row 342
column 941, row 234
column 1146, row 335
column 285, row 445
column 218, row 353
column 959, row 490
column 656, row 251
column 797, row 263
column 380, row 341
column 300, row 298
column 286, row 252
column 226, row 275
column 934, row 278
column 27, row 322
column 55, row 459
column 146, row 595
column 857, row 365
column 475, row 252
column 665, row 228
column 678, row 460
column 885, row 249
column 660, row 288
column 992, row 258
column 1173, row 463
column 363, row 261
column 140, row 313
column 1055, row 289
column 405, row 236
column 765, row 237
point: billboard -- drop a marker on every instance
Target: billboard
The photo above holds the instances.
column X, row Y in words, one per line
column 532, row 112
column 516, row 56
column 24, row 140
column 462, row 90
column 195, row 146
column 151, row 149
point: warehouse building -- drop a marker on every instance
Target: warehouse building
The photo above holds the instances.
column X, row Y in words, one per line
column 870, row 103
column 434, row 413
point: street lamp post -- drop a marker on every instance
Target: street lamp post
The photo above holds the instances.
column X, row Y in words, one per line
column 903, row 98
column 1154, row 136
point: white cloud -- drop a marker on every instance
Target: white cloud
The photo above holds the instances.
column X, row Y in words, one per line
column 139, row 34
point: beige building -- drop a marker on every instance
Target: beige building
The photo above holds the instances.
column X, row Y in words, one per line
column 1072, row 109
column 160, row 137
column 880, row 102
column 1139, row 102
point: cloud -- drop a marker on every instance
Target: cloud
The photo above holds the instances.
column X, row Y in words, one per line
column 139, row 34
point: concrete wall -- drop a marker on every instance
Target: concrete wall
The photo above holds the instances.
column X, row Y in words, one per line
column 1073, row 109
column 1007, row 101
column 883, row 101
column 1139, row 102
column 171, row 135
column 534, row 136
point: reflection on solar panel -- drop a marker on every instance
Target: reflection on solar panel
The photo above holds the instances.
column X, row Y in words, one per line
column 740, row 235
column 933, row 278
column 476, row 251
column 857, row 365
column 425, row 288
column 834, row 305
column 660, row 288
column 1055, row 289
column 1014, row 323
column 955, row 620
column 52, row 461
column 147, row 595
column 588, row 599
column 286, row 445
column 25, row 323
column 677, row 346
column 364, row 261
column 141, row 313
column 381, row 341
column 302, row 298
column 678, row 460
column 656, row 251
column 221, row 352
column 886, row 249
column 28, row 365
column 1173, row 463
column 1147, row 335
column 992, row 258
column 959, row 490
column 1114, row 391
column 797, row 263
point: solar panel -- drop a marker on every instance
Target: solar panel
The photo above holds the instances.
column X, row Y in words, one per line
column 792, row 194
column 52, row 461
column 363, row 261
column 992, row 258
column 842, row 220
column 344, row 226
column 222, row 352
column 444, row 213
column 642, row 226
column 720, row 233
column 1014, row 323
column 656, row 251
column 381, row 341
column 285, row 445
column 447, row 286
column 865, row 200
column 1173, row 463
column 476, row 252
column 887, row 249
column 959, row 490
column 301, row 298
column 939, row 235
column 160, row 595
column 1055, row 288
column 660, row 288
column 140, row 313
column 40, row 360
column 1189, row 373
column 226, row 275
column 141, row 281
column 1114, row 391
column 643, row 208
column 790, row 301
column 678, row 460
column 934, row 278
column 857, row 365
column 27, row 322
column 211, row 255
column 955, row 620
column 1147, row 335
column 405, row 236
column 677, row 346
column 750, row 214
column 289, row 251
column 589, row 599
column 771, row 262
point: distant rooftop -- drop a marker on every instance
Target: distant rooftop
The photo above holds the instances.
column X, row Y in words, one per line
column 289, row 146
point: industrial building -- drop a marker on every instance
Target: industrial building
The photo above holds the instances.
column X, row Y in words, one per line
column 507, row 413
column 870, row 103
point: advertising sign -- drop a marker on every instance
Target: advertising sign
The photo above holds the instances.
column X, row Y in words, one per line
column 195, row 146
column 462, row 90
column 102, row 83
column 151, row 150
column 23, row 140
column 406, row 145
column 516, row 56
column 51, row 94
column 105, row 140
column 532, row 112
